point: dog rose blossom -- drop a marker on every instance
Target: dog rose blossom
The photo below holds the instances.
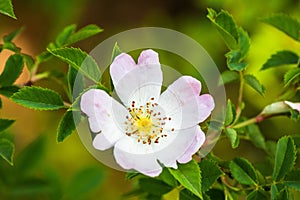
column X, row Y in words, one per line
column 146, row 129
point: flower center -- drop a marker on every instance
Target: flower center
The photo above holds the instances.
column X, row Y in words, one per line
column 146, row 123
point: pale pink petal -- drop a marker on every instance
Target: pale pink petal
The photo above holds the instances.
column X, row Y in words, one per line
column 193, row 148
column 130, row 154
column 121, row 65
column 295, row 106
column 140, row 82
column 106, row 117
column 148, row 57
column 182, row 145
column 145, row 158
column 185, row 110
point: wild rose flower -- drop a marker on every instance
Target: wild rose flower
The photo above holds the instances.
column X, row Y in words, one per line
column 150, row 130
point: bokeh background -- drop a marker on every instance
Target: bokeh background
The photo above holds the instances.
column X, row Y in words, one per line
column 38, row 155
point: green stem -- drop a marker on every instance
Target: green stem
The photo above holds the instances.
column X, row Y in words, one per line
column 240, row 99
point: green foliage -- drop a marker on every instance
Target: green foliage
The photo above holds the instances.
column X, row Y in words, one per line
column 38, row 98
column 281, row 58
column 285, row 158
column 233, row 137
column 5, row 123
column 254, row 83
column 68, row 36
column 243, row 171
column 66, row 126
column 292, row 180
column 80, row 60
column 226, row 26
column 236, row 38
column 115, row 52
column 189, row 175
column 228, row 77
column 257, row 195
column 210, row 173
column 291, row 76
column 9, row 90
column 230, row 113
column 256, row 136
column 154, row 186
column 12, row 35
column 12, row 70
column 286, row 24
column 6, row 8
column 7, row 149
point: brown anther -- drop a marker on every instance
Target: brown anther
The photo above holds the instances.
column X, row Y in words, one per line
column 144, row 142
column 172, row 129
column 152, row 98
column 170, row 118
column 158, row 113
column 156, row 140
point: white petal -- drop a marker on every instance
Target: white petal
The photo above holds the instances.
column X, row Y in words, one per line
column 145, row 158
column 193, row 148
column 181, row 102
column 139, row 82
column 106, row 117
column 130, row 154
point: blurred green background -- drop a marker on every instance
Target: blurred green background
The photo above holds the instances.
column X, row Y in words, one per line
column 57, row 168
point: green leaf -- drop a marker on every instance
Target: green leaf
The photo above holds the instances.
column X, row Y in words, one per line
column 291, row 75
column 210, row 173
column 9, row 90
column 230, row 113
column 187, row 195
column 279, row 192
column 6, row 8
column 285, row 23
column 75, row 77
column 285, row 157
column 254, row 83
column 257, row 195
column 66, row 126
column 243, row 171
column 12, row 35
column 281, row 58
column 7, row 149
column 38, row 98
column 233, row 137
column 84, row 181
column 83, row 33
column 12, row 70
column 292, row 180
column 228, row 76
column 5, row 123
column 63, row 36
column 115, row 52
column 79, row 60
column 154, row 186
column 244, row 43
column 256, row 136
column 167, row 177
column 216, row 194
column 296, row 141
column 226, row 27
column 189, row 175
column 28, row 60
